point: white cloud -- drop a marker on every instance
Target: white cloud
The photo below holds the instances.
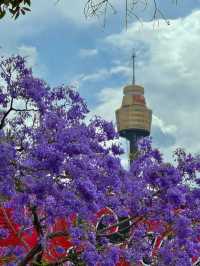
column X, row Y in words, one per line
column 43, row 15
column 95, row 76
column 32, row 58
column 168, row 67
column 165, row 128
column 30, row 53
column 109, row 101
column 88, row 52
column 50, row 11
column 78, row 80
column 74, row 11
column 103, row 73
column 120, row 69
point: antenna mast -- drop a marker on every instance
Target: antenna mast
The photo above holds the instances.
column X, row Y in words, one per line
column 133, row 56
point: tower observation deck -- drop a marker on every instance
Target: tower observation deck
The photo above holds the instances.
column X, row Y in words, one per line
column 133, row 117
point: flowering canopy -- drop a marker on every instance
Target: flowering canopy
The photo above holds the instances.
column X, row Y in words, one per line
column 57, row 174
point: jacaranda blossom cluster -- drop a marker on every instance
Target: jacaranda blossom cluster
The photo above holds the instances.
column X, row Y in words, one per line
column 65, row 198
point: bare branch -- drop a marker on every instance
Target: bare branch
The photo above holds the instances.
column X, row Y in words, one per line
column 36, row 220
column 2, row 124
column 100, row 7
column 60, row 262
column 37, row 249
column 94, row 8
column 25, row 110
column 58, row 233
column 134, row 219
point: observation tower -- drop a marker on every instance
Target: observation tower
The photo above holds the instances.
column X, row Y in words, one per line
column 133, row 117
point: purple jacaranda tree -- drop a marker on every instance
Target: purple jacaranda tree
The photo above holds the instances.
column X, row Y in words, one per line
column 54, row 163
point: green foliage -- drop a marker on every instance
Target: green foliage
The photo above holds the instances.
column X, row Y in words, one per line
column 14, row 7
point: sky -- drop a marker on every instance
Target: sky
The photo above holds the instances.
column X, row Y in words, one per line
column 64, row 47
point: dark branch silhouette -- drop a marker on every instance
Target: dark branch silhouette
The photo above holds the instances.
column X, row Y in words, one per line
column 100, row 7
column 92, row 8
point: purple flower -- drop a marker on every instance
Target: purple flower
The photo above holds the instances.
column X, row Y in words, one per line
column 58, row 172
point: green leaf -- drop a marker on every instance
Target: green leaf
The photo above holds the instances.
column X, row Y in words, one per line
column 23, row 12
column 26, row 9
column 2, row 13
column 2, row 2
column 6, row 2
column 12, row 11
column 16, row 15
column 16, row 3
column 28, row 2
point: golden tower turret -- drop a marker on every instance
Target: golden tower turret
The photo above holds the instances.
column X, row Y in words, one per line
column 133, row 117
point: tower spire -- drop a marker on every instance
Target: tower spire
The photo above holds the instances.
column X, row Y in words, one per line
column 133, row 57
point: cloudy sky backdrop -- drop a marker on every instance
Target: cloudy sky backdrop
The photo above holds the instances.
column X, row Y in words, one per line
column 64, row 47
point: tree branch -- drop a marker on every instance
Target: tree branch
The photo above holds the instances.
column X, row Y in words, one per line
column 98, row 7
column 137, row 219
column 30, row 255
column 25, row 110
column 2, row 124
column 36, row 221
column 58, row 233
